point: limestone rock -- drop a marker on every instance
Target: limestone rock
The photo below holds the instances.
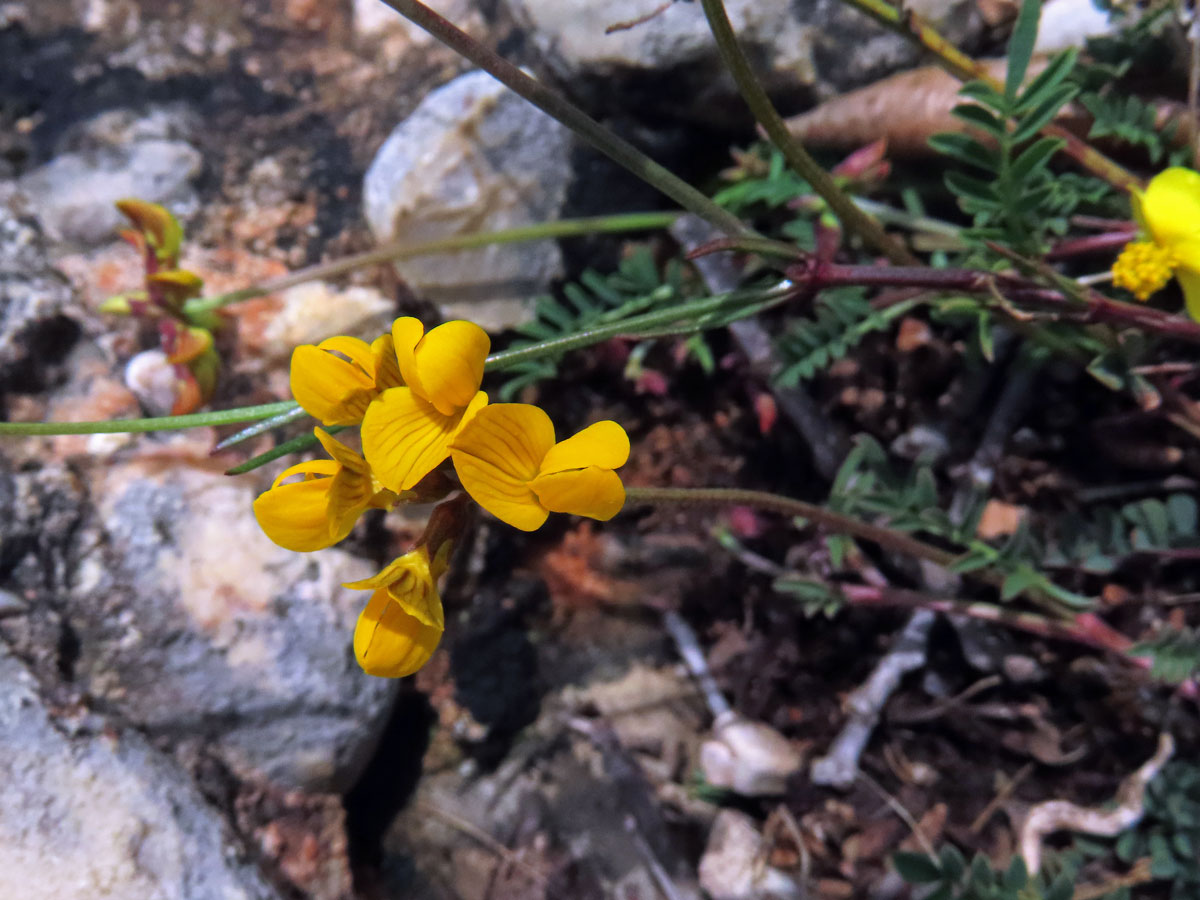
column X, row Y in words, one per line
column 733, row 866
column 33, row 297
column 185, row 619
column 88, row 814
column 473, row 156
column 121, row 153
column 817, row 47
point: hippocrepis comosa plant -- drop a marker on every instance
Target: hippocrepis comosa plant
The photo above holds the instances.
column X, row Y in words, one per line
column 428, row 433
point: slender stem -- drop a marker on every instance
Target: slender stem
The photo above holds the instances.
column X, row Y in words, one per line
column 852, row 217
column 1034, row 623
column 1085, row 303
column 617, row 149
column 163, row 423
column 896, row 541
column 887, row 538
column 543, row 230
column 284, row 418
column 909, row 25
column 689, row 314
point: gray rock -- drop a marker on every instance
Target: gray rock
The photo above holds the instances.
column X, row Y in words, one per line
column 120, row 153
column 32, row 293
column 103, row 815
column 153, row 591
column 194, row 625
column 472, row 157
column 813, row 46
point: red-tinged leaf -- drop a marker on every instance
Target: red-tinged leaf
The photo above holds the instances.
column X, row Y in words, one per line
column 863, row 160
column 766, row 411
column 745, row 523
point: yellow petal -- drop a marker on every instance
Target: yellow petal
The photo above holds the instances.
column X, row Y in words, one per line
column 387, row 368
column 410, row 582
column 1171, row 206
column 1189, row 280
column 295, row 516
column 593, row 492
column 404, row 438
column 390, row 643
column 406, row 334
column 497, row 454
column 604, row 444
column 450, row 364
column 343, row 455
column 354, row 349
column 308, row 467
column 329, row 388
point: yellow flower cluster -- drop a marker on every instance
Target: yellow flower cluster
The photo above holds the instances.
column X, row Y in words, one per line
column 1168, row 215
column 416, row 396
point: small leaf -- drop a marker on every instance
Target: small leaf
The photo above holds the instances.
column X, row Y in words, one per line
column 917, row 868
column 1017, row 875
column 1050, row 77
column 953, row 863
column 965, row 149
column 1035, row 120
column 1018, row 582
column 978, row 558
column 974, row 114
column 976, row 189
column 984, row 93
column 1020, row 47
column 1035, row 156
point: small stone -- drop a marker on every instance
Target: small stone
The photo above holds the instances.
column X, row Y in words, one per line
column 309, row 313
column 749, row 758
column 1023, row 669
column 733, row 867
column 73, row 194
column 104, row 815
column 472, row 157
column 152, row 380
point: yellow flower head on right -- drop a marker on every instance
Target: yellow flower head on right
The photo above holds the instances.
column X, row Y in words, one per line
column 508, row 461
column 403, row 622
column 406, row 432
column 335, row 380
column 321, row 509
column 1168, row 213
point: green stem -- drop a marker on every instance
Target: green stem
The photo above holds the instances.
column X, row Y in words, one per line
column 617, row 149
column 655, row 322
column 851, row 216
column 643, row 221
column 163, row 423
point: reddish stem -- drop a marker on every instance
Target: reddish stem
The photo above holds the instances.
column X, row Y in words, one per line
column 815, row 274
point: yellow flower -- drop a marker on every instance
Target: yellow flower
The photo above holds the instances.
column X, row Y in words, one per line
column 508, row 461
column 320, row 510
column 406, row 432
column 403, row 622
column 335, row 390
column 1168, row 212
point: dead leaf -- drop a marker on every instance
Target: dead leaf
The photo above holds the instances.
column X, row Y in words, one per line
column 999, row 519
